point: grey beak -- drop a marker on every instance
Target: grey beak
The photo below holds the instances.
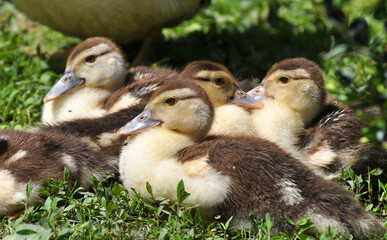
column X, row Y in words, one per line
column 246, row 100
column 142, row 121
column 66, row 83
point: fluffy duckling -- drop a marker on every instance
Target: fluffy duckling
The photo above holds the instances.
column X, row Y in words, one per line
column 297, row 100
column 230, row 176
column 294, row 101
column 95, row 68
column 100, row 133
column 221, row 86
column 122, row 106
column 42, row 155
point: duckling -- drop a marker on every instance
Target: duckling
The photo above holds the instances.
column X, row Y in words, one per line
column 282, row 120
column 100, row 133
column 95, row 68
column 121, row 106
column 42, row 155
column 324, row 136
column 228, row 176
column 221, row 86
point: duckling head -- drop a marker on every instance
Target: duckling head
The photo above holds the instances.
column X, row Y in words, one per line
column 297, row 83
column 95, row 63
column 219, row 84
column 181, row 106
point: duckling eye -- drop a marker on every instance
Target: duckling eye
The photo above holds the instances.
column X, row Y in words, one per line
column 284, row 79
column 219, row 81
column 170, row 101
column 90, row 58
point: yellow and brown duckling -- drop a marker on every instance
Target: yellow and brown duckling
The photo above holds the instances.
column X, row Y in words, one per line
column 93, row 82
column 228, row 176
column 221, row 87
column 297, row 101
column 95, row 68
column 42, row 155
column 294, row 101
column 121, row 106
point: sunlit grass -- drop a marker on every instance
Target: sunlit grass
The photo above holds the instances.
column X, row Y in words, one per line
column 248, row 37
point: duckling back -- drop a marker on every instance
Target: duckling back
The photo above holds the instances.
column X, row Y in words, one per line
column 264, row 179
column 334, row 143
column 41, row 155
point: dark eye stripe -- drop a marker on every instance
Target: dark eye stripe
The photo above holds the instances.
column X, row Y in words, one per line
column 203, row 79
column 95, row 56
column 103, row 53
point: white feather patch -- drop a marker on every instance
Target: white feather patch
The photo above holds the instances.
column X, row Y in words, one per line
column 125, row 101
column 322, row 157
column 290, row 192
column 13, row 192
column 20, row 154
column 68, row 161
column 148, row 89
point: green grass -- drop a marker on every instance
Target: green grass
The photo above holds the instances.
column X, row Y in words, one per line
column 248, row 37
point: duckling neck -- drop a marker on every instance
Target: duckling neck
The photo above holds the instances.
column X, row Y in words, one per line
column 151, row 157
column 155, row 145
column 84, row 102
column 279, row 124
column 309, row 113
column 231, row 120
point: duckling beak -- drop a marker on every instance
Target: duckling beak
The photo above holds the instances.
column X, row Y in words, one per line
column 66, row 83
column 142, row 121
column 245, row 100
column 259, row 93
